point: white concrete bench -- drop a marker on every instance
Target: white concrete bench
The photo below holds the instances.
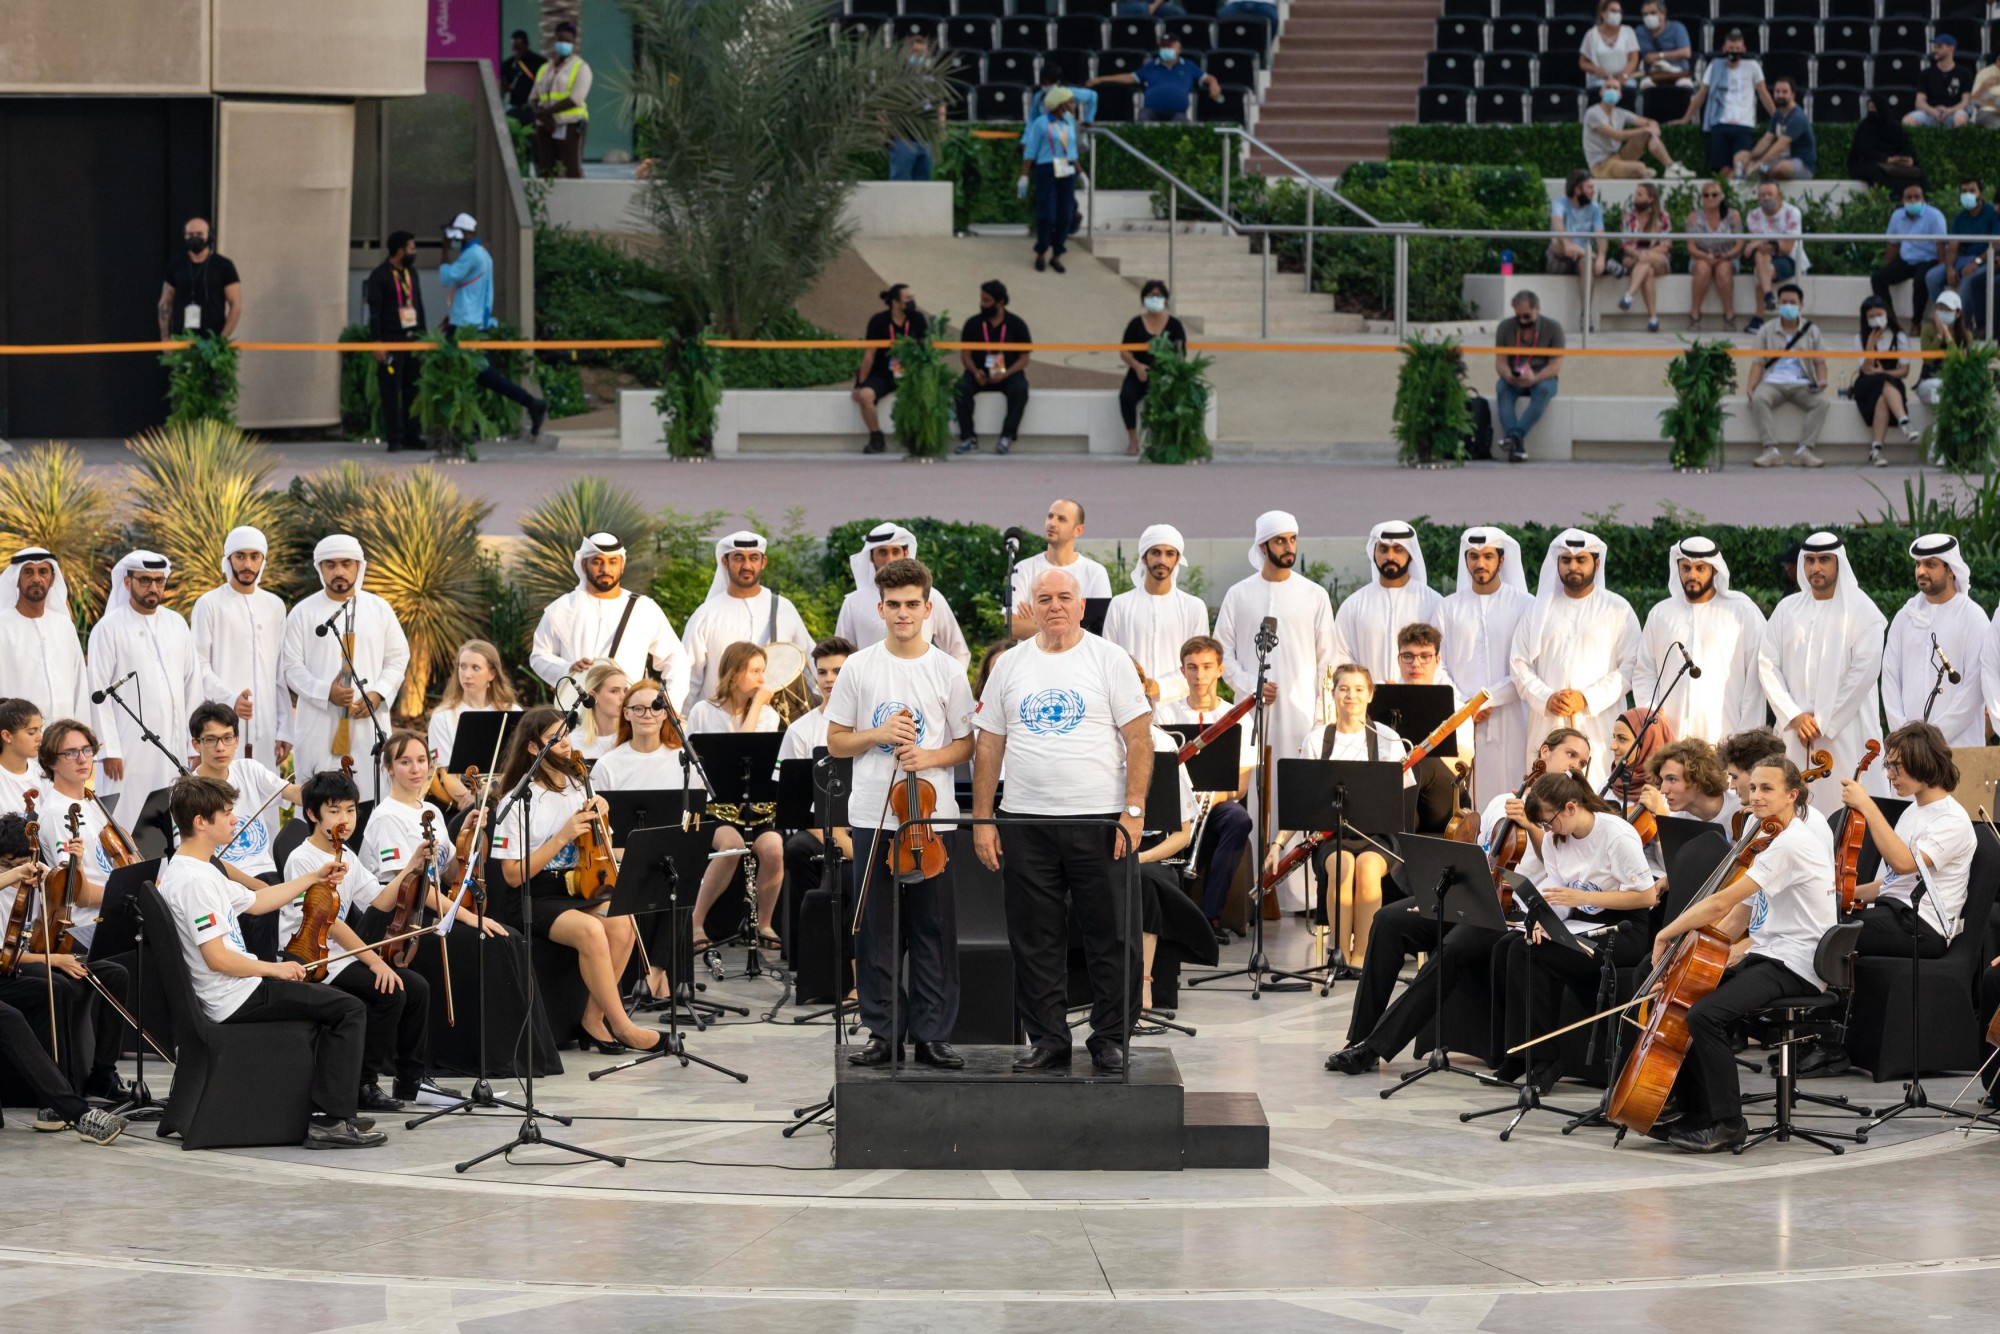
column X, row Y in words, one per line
column 827, row 421
column 875, row 208
column 1833, row 303
column 1627, row 430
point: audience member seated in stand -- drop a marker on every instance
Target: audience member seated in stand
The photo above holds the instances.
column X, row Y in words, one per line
column 1149, row 9
column 1712, row 263
column 1964, row 267
column 1788, row 151
column 1050, row 147
column 1881, row 152
column 742, row 704
column 1573, row 219
column 1728, row 99
column 232, row 987
column 1986, row 97
column 1944, row 329
column 1250, row 9
column 1526, row 374
column 1377, row 1030
column 875, row 378
column 993, row 372
column 1915, row 232
column 1610, row 52
column 1227, row 832
column 1353, row 891
column 910, row 159
column 1666, row 53
column 543, row 860
column 1614, row 141
column 1646, row 254
column 1881, row 381
column 1775, row 252
column 1169, row 80
column 1944, row 89
column 1152, row 323
column 1788, row 376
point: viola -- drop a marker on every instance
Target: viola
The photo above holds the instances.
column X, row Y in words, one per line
column 119, row 849
column 918, row 852
column 14, row 941
column 1847, row 864
column 1690, row 971
column 321, row 909
column 456, row 876
column 411, row 890
column 52, row 933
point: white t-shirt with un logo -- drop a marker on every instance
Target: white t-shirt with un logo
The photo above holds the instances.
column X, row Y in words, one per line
column 873, row 684
column 1061, row 714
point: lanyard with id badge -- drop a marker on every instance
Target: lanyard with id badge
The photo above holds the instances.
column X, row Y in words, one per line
column 895, row 366
column 1059, row 156
column 995, row 361
column 406, row 298
column 191, row 316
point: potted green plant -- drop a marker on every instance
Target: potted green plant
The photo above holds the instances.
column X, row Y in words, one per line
column 451, row 407
column 690, row 397
column 201, row 379
column 1432, row 414
column 1966, row 429
column 1175, row 411
column 1701, row 378
column 924, row 394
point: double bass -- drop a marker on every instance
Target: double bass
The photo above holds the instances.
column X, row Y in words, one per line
column 1847, row 859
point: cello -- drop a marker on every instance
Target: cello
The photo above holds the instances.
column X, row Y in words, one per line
column 1691, row 970
column 1847, row 859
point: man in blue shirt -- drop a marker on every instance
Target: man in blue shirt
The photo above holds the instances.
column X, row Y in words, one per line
column 1906, row 259
column 467, row 275
column 1964, row 266
column 1083, row 111
column 1169, row 82
column 1048, row 155
column 1788, row 151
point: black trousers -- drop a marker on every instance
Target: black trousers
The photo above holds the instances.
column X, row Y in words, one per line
column 1464, row 958
column 22, row 1050
column 1709, row 1091
column 1014, row 387
column 803, row 874
column 88, row 1032
column 1047, row 868
column 1131, row 393
column 1223, row 841
column 343, row 1030
column 1988, row 1000
column 1530, row 980
column 396, row 378
column 492, row 379
column 925, row 932
column 398, row 1022
column 1899, row 270
column 1399, row 933
column 1886, row 925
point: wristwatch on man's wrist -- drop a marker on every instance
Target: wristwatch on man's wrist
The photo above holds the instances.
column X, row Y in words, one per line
column 1136, row 812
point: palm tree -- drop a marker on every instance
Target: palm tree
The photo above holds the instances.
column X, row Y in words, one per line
column 544, row 568
column 759, row 127
column 193, row 483
column 47, row 500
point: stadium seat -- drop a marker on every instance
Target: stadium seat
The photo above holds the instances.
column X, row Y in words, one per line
column 1072, row 63
column 1847, row 35
column 1093, row 9
column 968, row 34
column 1196, row 34
column 1841, row 69
column 1865, row 10
column 1564, row 35
column 908, row 26
column 1791, row 37
column 1455, row 69
column 1780, row 63
column 1515, row 35
column 1500, row 106
column 1711, row 35
column 1907, row 9
column 1468, row 9
column 1896, row 103
column 1555, row 106
column 999, row 101
column 1739, row 11
column 1120, row 62
column 1232, row 67
column 1030, row 34
column 1463, row 35
column 1809, row 10
column 1902, row 35
column 1969, row 32
column 1035, row 8
column 1580, row 9
column 1443, row 106
column 1831, row 105
column 1011, row 66
column 1084, row 32
column 937, row 9
column 1202, row 9
column 1521, row 9
column 1244, row 35
column 1116, row 102
column 1134, row 34
column 862, row 27
column 1558, row 69
column 877, row 8
column 1507, row 69
column 982, row 9
column 1898, row 69
column 1230, row 110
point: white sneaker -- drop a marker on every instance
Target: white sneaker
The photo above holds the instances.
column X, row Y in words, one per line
column 1875, row 459
column 1679, row 172
column 1770, row 458
column 1910, row 433
column 1805, row 458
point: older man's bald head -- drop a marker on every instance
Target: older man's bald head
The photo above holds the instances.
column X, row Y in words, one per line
column 1055, row 578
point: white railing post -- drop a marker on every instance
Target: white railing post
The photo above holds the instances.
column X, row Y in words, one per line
column 1310, row 196
column 1402, row 285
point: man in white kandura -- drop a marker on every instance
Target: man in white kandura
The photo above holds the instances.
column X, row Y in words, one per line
column 147, row 650
column 1820, row 664
column 1365, row 628
column 333, row 715
column 1153, row 618
column 1721, row 632
column 1060, row 529
column 1478, row 622
column 1937, row 640
column 861, row 625
column 239, row 633
column 41, row 657
column 1574, row 651
column 739, row 610
column 598, row 619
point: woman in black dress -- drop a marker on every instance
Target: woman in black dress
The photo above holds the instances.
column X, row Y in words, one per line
column 1144, row 328
column 1879, row 384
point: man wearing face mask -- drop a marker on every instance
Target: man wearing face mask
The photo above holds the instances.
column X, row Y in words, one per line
column 1731, row 93
column 1049, row 149
column 1525, row 375
column 561, row 104
column 1788, row 151
column 1964, row 267
column 1907, row 258
column 1169, row 81
column 467, row 275
column 202, row 293
column 1614, row 141
column 1666, row 53
column 997, row 371
column 1774, row 250
column 1574, row 220
column 395, row 300
column 1788, row 375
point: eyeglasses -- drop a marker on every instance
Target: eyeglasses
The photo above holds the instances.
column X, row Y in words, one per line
column 215, row 739
column 78, row 753
column 1711, row 194
column 1416, row 659
column 642, row 710
column 1892, row 766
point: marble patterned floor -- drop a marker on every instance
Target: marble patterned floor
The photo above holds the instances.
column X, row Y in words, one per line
column 1374, row 1215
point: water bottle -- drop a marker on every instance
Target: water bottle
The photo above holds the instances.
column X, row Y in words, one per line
column 1506, row 264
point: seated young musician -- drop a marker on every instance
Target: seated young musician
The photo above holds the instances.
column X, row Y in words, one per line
column 1588, row 863
column 398, row 1001
column 543, row 858
column 215, row 731
column 1685, row 782
column 1228, row 830
column 806, row 735
column 232, row 986
column 597, row 731
column 1741, row 753
column 1350, row 736
column 1378, row 1029
column 741, row 704
column 478, row 684
column 1786, row 902
column 1157, row 877
column 1420, row 662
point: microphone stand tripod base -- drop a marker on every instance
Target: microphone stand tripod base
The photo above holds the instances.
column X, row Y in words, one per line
column 530, row 1132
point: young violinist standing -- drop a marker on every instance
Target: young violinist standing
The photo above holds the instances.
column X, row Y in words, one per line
column 542, row 858
column 232, row 986
column 398, row 1000
column 901, row 708
column 1786, row 900
column 742, row 704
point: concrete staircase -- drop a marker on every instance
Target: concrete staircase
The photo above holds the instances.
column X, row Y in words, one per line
column 1344, row 72
column 1217, row 282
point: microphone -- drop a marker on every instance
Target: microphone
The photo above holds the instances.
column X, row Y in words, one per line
column 327, row 624
column 584, row 699
column 1012, row 537
column 1693, row 670
column 1951, row 673
column 97, row 696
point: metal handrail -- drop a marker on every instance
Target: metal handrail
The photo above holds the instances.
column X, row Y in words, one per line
column 1316, row 182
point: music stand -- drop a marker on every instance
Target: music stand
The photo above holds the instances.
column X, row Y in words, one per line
column 1452, row 884
column 120, row 928
column 1095, row 610
column 741, row 768
column 812, row 794
column 480, row 733
column 657, row 862
column 1415, row 712
column 644, row 808
column 153, row 832
column 1363, row 795
column 1677, row 831
column 1214, row 768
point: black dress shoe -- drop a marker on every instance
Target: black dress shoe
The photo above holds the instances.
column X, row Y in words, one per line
column 1355, row 1060
column 1041, row 262
column 940, row 1054
column 1823, row 1060
column 1543, row 1078
column 1043, row 1058
column 877, row 443
column 875, row 1051
column 538, row 412
column 1721, row 1136
column 106, row 1083
column 373, row 1099
column 1110, row 1060
column 1057, row 265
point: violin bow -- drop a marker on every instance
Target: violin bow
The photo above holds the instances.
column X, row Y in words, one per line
column 861, row 899
column 255, row 815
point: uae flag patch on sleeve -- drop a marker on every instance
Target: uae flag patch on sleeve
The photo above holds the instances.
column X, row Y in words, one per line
column 502, row 842
column 204, row 922
column 390, row 854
